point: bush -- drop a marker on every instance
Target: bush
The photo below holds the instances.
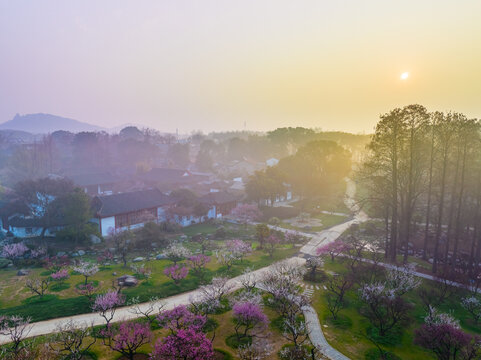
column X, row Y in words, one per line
column 375, row 354
column 210, row 325
column 278, row 212
column 342, row 322
column 57, row 287
column 234, row 343
column 220, row 354
column 220, row 233
column 4, row 263
column 274, row 221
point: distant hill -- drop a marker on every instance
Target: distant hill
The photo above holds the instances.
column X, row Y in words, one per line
column 46, row 123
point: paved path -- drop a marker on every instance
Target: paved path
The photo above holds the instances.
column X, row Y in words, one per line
column 317, row 336
column 124, row 313
column 312, row 321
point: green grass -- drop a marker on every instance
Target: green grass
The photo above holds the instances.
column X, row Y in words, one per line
column 66, row 302
column 349, row 333
column 327, row 220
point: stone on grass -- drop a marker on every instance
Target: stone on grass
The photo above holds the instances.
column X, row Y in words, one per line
column 138, row 259
column 160, row 257
column 81, row 252
column 61, row 253
column 95, row 239
column 22, row 272
column 127, row 280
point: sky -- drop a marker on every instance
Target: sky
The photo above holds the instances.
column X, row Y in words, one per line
column 228, row 65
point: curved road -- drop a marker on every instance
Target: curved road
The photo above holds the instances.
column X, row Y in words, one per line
column 317, row 239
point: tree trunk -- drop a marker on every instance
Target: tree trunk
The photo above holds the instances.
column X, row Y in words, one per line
column 430, row 187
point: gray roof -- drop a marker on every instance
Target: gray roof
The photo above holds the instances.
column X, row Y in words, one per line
column 220, row 197
column 93, row 179
column 117, row 204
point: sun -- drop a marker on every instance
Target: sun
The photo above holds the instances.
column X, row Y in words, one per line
column 404, row 75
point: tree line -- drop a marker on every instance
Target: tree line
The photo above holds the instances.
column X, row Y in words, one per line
column 422, row 177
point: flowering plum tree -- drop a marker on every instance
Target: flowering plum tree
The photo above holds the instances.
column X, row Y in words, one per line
column 141, row 271
column 473, row 306
column 176, row 272
column 86, row 270
column 258, row 349
column 186, row 344
column 248, row 317
column 176, row 253
column 197, row 263
column 384, row 308
column 333, row 249
column 60, row 275
column 312, row 264
column 13, row 252
column 271, row 244
column 444, row 340
column 127, row 338
column 87, row 290
column 238, row 248
column 180, row 318
column 246, row 213
column 107, row 304
column 211, row 297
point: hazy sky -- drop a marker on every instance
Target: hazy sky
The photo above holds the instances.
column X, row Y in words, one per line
column 211, row 65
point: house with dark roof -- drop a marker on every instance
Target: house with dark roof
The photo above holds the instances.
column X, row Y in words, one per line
column 26, row 227
column 220, row 203
column 130, row 210
column 100, row 183
column 168, row 179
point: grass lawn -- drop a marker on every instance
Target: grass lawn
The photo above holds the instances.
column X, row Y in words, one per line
column 327, row 220
column 348, row 334
column 220, row 333
column 16, row 299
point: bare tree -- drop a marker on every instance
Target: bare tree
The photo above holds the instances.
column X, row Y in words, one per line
column 16, row 329
column 37, row 285
column 72, row 340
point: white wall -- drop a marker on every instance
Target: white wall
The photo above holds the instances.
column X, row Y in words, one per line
column 106, row 224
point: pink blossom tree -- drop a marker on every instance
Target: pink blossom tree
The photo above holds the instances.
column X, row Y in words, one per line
column 446, row 341
column 248, row 317
column 61, row 275
column 186, row 344
column 333, row 249
column 246, row 213
column 86, row 270
column 14, row 252
column 127, row 338
column 107, row 304
column 271, row 244
column 88, row 290
column 176, row 272
column 197, row 263
column 180, row 318
column 238, row 248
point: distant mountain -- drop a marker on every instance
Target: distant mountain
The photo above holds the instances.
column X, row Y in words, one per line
column 46, row 123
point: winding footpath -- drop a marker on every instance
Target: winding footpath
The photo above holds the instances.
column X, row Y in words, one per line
column 309, row 249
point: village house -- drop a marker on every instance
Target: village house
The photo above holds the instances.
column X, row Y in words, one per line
column 130, row 210
column 219, row 203
column 95, row 183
